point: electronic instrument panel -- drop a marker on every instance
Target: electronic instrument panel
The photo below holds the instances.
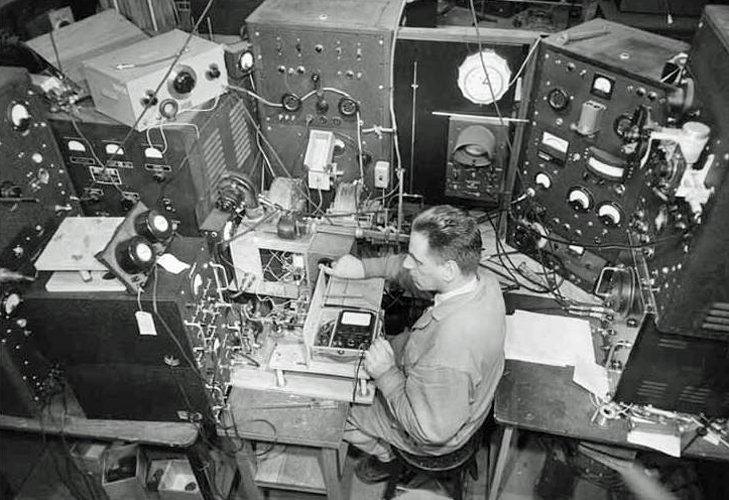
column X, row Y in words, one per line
column 323, row 66
column 174, row 168
column 685, row 277
column 35, row 190
column 160, row 355
column 596, row 87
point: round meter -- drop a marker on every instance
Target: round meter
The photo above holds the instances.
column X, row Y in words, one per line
column 484, row 77
column 246, row 62
column 19, row 116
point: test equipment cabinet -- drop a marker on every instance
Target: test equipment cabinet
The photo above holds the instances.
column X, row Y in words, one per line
column 322, row 64
column 172, row 366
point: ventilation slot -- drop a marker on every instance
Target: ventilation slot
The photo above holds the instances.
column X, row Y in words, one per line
column 241, row 136
column 652, row 390
column 214, row 161
column 672, row 343
column 717, row 318
column 695, row 395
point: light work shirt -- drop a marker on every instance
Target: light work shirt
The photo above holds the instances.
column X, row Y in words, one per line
column 447, row 367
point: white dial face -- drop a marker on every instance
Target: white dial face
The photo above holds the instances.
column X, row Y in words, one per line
column 19, row 116
column 246, row 61
column 476, row 85
column 484, row 87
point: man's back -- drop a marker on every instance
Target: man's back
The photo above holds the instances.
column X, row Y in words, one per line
column 458, row 342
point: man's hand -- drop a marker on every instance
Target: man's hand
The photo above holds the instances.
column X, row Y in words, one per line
column 348, row 266
column 379, row 358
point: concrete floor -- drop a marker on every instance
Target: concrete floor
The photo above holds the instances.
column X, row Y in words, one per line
column 522, row 475
column 41, row 481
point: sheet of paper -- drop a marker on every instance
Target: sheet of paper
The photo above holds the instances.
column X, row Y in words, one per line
column 592, row 377
column 172, row 264
column 547, row 339
column 666, row 443
column 76, row 242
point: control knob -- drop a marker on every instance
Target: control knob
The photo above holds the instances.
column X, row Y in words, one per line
column 610, row 214
column 543, row 181
column 579, row 199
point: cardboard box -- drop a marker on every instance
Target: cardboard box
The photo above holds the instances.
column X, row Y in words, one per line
column 124, row 470
column 89, row 456
column 178, row 482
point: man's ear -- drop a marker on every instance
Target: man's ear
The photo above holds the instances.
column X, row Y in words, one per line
column 450, row 270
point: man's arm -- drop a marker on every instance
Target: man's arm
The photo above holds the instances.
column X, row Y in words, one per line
column 431, row 403
column 389, row 267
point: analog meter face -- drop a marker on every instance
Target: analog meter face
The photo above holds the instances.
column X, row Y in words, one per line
column 484, row 78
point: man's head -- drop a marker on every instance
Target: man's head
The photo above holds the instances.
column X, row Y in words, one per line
column 445, row 248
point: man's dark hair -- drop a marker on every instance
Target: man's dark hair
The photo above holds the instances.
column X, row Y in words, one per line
column 452, row 235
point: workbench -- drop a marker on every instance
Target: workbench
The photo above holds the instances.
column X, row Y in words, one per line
column 299, row 443
column 544, row 399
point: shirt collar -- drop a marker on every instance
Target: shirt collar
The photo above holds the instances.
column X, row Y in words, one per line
column 465, row 288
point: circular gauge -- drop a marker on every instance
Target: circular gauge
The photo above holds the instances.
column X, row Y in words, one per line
column 610, row 214
column 558, row 99
column 183, row 81
column 347, row 107
column 291, row 103
column 135, row 255
column 246, row 61
column 602, row 86
column 484, row 77
column 19, row 117
column 168, row 108
column 153, row 225
column 579, row 199
column 543, row 181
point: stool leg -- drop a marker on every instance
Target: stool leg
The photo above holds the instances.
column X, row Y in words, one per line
column 392, row 481
column 460, row 478
column 501, row 460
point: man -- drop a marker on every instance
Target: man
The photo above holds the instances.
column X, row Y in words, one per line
column 436, row 382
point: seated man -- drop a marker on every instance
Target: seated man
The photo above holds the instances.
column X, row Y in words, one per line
column 436, row 381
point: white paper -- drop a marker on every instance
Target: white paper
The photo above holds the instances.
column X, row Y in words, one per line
column 592, row 377
column 548, row 339
column 172, row 264
column 713, row 438
column 669, row 444
column 145, row 323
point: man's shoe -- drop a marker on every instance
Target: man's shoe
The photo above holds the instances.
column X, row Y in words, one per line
column 371, row 470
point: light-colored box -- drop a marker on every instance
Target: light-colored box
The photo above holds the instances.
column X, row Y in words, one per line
column 178, row 482
column 89, row 456
column 122, row 81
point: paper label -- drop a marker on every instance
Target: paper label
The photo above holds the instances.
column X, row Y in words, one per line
column 172, row 264
column 145, row 323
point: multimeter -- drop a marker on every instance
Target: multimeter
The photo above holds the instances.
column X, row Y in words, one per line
column 354, row 329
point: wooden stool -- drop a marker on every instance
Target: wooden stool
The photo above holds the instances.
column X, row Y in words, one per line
column 452, row 466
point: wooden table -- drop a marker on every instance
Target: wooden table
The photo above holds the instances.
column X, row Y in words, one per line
column 544, row 399
column 173, row 434
column 314, row 453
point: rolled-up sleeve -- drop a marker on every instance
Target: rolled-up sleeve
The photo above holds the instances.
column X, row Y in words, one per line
column 431, row 403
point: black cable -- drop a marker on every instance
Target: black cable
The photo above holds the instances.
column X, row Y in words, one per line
column 603, row 246
column 356, row 377
column 501, row 252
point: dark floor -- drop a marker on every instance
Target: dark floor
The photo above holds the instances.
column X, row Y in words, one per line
column 29, row 472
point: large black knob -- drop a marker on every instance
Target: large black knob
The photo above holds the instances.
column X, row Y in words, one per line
column 184, row 82
column 135, row 255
